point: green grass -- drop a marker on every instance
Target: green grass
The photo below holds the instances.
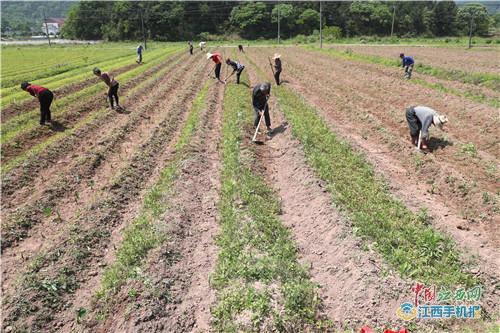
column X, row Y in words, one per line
column 94, row 116
column 29, row 120
column 403, row 239
column 257, row 260
column 489, row 80
column 143, row 235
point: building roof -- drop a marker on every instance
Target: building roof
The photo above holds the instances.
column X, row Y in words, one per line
column 58, row 20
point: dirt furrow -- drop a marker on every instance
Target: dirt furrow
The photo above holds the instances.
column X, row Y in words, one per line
column 89, row 232
column 396, row 163
column 180, row 267
column 349, row 277
column 16, row 109
column 78, row 187
column 29, row 207
column 24, row 141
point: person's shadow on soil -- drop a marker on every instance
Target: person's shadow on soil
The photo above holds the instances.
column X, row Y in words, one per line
column 438, row 143
column 280, row 129
column 245, row 84
column 122, row 111
column 57, row 126
column 284, row 81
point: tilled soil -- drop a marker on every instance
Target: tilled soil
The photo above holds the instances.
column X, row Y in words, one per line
column 179, row 269
column 476, row 60
column 353, row 113
column 100, row 213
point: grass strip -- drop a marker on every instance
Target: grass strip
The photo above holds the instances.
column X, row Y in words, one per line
column 404, row 239
column 29, row 120
column 142, row 234
column 488, row 80
column 94, row 116
column 257, row 261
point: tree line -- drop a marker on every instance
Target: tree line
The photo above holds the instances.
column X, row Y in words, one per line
column 186, row 20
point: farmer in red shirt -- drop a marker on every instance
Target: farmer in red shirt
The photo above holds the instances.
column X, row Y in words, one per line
column 112, row 87
column 45, row 98
column 217, row 59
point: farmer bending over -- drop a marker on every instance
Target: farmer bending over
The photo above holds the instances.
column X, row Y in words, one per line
column 407, row 63
column 112, row 87
column 237, row 68
column 45, row 98
column 217, row 59
column 202, row 45
column 240, row 48
column 419, row 119
column 260, row 96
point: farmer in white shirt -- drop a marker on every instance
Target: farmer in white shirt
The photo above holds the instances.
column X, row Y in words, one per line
column 419, row 119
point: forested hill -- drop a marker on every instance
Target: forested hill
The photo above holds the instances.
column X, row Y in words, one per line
column 22, row 17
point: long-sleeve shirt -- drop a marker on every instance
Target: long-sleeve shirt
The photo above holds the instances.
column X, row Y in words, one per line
column 139, row 49
column 407, row 61
column 235, row 65
column 277, row 65
column 216, row 57
column 35, row 90
column 425, row 115
column 259, row 99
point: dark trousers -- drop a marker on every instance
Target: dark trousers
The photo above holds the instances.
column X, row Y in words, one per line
column 139, row 57
column 113, row 92
column 238, row 74
column 191, row 50
column 217, row 70
column 413, row 122
column 45, row 98
column 257, row 116
column 277, row 77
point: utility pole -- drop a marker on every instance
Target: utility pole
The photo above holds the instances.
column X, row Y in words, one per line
column 279, row 19
column 320, row 25
column 142, row 25
column 46, row 27
column 470, row 30
column 393, row 16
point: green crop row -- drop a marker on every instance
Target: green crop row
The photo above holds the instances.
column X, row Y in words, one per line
column 16, row 95
column 142, row 234
column 29, row 120
column 489, row 80
column 6, row 167
column 257, row 259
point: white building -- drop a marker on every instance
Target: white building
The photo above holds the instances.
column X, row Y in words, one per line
column 54, row 25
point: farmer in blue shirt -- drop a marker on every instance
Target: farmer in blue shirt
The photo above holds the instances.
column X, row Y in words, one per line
column 139, row 54
column 407, row 65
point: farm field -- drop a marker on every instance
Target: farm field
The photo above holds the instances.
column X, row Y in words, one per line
column 164, row 217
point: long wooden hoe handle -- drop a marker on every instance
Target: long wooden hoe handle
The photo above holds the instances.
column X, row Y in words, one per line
column 257, row 129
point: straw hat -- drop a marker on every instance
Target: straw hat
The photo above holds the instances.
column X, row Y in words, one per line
column 439, row 121
column 276, row 56
column 209, row 55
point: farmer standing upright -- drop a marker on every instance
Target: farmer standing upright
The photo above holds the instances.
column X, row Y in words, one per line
column 217, row 59
column 407, row 62
column 419, row 119
column 260, row 96
column 277, row 67
column 45, row 97
column 139, row 54
column 237, row 68
column 190, row 48
column 112, row 87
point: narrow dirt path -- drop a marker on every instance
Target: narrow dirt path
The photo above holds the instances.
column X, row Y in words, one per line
column 396, row 166
column 103, row 212
column 350, row 278
column 180, row 268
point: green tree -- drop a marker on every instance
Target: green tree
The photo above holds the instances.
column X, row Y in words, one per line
column 444, row 17
column 308, row 20
column 288, row 16
column 474, row 16
column 252, row 19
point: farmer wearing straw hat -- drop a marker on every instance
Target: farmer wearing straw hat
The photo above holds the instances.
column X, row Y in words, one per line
column 260, row 96
column 217, row 59
column 419, row 119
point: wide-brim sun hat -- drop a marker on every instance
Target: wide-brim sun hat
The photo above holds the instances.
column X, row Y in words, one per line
column 439, row 121
column 276, row 56
column 209, row 55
